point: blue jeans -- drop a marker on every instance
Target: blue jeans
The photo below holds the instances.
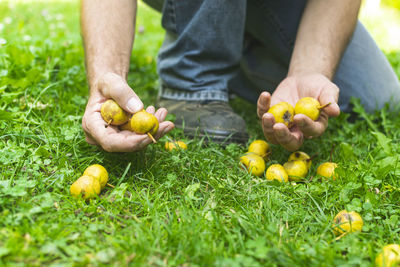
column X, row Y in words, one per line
column 214, row 47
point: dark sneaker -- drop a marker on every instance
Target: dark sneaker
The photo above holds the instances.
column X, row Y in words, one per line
column 211, row 119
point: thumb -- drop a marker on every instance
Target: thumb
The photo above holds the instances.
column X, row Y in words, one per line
column 115, row 87
column 330, row 95
column 263, row 103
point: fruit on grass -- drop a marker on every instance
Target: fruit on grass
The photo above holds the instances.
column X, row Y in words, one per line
column 175, row 145
column 327, row 170
column 253, row 163
column 347, row 222
column 299, row 155
column 112, row 113
column 276, row 172
column 389, row 257
column 87, row 186
column 283, row 112
column 98, row 172
column 310, row 107
column 259, row 147
column 296, row 170
column 144, row 122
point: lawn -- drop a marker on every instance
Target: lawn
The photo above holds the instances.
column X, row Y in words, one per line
column 188, row 208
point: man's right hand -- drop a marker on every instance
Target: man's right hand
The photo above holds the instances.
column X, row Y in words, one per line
column 110, row 138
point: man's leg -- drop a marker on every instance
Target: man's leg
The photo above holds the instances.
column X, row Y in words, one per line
column 201, row 52
column 363, row 72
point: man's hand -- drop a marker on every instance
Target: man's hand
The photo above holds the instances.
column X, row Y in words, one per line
column 323, row 34
column 110, row 138
column 108, row 29
column 291, row 90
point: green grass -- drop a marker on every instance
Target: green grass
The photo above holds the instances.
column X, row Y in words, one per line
column 383, row 24
column 183, row 208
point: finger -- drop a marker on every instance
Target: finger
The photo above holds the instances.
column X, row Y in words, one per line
column 115, row 87
column 268, row 122
column 309, row 127
column 290, row 140
column 165, row 127
column 151, row 109
column 125, row 141
column 113, row 140
column 330, row 94
column 263, row 103
column 129, row 143
column 90, row 140
column 161, row 114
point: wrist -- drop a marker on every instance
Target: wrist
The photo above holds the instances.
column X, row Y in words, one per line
column 297, row 70
column 95, row 76
column 99, row 66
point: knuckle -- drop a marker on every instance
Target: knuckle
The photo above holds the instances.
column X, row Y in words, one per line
column 336, row 89
column 121, row 92
column 101, row 82
column 107, row 82
column 293, row 148
column 90, row 141
column 107, row 147
column 84, row 125
column 107, row 78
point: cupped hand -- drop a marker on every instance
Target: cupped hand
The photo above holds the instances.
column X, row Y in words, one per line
column 291, row 90
column 109, row 137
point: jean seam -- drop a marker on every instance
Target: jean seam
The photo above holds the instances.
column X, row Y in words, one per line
column 168, row 87
column 274, row 20
column 172, row 12
column 170, row 93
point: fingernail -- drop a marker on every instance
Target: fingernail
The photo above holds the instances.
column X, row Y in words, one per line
column 134, row 105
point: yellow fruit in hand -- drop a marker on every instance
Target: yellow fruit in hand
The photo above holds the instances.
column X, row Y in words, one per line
column 276, row 172
column 296, row 170
column 253, row 163
column 389, row 257
column 347, row 222
column 175, row 145
column 299, row 155
column 126, row 126
column 144, row 122
column 283, row 112
column 112, row 113
column 309, row 106
column 98, row 172
column 87, row 186
column 260, row 147
column 327, row 170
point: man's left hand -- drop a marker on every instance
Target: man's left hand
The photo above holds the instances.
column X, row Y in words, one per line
column 291, row 90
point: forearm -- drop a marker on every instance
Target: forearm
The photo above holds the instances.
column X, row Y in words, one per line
column 324, row 32
column 108, row 29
